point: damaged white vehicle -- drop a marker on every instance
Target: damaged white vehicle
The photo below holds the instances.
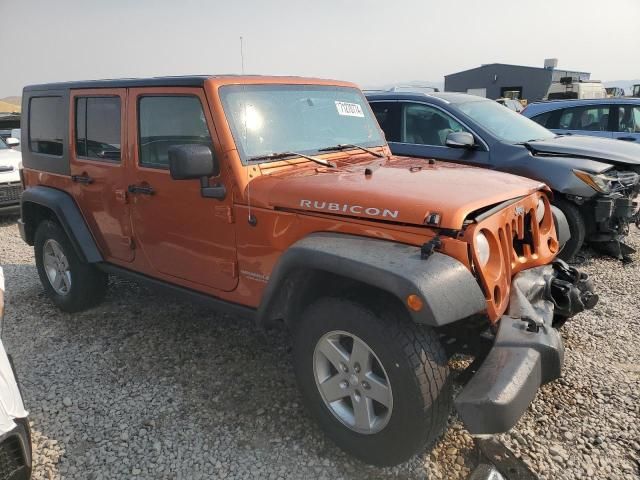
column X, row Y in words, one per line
column 15, row 436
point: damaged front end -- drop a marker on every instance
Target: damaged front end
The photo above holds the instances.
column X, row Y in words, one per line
column 527, row 351
column 615, row 208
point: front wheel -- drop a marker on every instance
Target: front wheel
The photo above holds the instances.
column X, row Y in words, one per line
column 375, row 382
column 69, row 282
column 577, row 228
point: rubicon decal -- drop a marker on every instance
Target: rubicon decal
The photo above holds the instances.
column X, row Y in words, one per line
column 349, row 209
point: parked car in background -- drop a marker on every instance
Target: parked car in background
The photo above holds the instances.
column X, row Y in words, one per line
column 15, row 435
column 595, row 181
column 615, row 92
column 511, row 103
column 569, row 89
column 278, row 198
column 10, row 184
column 617, row 118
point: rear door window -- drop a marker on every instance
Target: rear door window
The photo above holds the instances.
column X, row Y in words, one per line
column 98, row 128
column 628, row 119
column 165, row 121
column 388, row 116
column 46, row 125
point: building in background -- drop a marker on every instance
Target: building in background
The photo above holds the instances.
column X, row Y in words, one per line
column 499, row 80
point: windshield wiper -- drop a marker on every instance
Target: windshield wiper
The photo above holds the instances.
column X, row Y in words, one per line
column 347, row 146
column 279, row 155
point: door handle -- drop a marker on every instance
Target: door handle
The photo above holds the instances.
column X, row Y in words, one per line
column 83, row 179
column 627, row 139
column 142, row 189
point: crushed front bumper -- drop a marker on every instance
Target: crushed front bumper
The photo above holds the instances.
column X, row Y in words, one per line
column 613, row 214
column 527, row 351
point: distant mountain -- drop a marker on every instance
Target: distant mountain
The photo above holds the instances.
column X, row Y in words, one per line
column 626, row 84
column 12, row 100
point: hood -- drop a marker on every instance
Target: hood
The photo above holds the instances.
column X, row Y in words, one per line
column 9, row 165
column 596, row 148
column 399, row 189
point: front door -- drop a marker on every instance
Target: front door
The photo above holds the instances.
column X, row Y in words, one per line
column 184, row 237
column 420, row 130
column 98, row 161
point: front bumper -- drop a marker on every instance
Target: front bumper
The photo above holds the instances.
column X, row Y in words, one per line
column 527, row 351
column 10, row 198
column 612, row 216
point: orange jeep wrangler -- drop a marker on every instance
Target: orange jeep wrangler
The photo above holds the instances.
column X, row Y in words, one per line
column 278, row 198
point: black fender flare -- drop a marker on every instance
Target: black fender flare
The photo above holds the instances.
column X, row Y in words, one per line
column 448, row 290
column 66, row 211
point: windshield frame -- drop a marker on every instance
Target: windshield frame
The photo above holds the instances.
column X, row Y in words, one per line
column 507, row 112
column 316, row 151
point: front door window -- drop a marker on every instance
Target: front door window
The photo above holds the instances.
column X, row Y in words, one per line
column 425, row 125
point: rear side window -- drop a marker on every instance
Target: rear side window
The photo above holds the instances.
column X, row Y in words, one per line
column 98, row 128
column 166, row 121
column 388, row 116
column 46, row 125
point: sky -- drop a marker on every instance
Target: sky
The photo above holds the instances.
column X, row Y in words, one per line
column 370, row 42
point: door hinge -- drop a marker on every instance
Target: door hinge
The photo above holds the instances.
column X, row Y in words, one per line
column 128, row 241
column 230, row 268
column 225, row 213
column 121, row 196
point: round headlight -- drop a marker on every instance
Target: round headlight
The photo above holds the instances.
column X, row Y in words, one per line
column 540, row 211
column 482, row 248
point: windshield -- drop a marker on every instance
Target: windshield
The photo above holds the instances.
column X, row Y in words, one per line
column 3, row 146
column 504, row 123
column 271, row 119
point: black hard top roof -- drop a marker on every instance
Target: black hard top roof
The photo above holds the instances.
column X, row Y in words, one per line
column 178, row 81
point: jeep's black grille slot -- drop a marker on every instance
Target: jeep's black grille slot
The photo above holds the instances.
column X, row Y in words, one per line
column 10, row 192
column 11, row 457
column 523, row 235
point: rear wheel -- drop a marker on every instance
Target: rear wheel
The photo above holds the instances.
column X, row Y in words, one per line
column 577, row 228
column 375, row 382
column 69, row 282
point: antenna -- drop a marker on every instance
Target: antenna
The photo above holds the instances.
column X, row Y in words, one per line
column 251, row 219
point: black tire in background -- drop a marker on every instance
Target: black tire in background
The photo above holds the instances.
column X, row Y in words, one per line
column 88, row 284
column 411, row 356
column 576, row 228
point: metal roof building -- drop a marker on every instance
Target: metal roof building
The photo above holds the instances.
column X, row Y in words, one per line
column 496, row 80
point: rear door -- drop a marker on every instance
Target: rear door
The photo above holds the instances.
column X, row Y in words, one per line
column 184, row 237
column 626, row 122
column 98, row 160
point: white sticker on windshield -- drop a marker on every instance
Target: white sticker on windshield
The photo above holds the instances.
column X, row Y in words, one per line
column 349, row 109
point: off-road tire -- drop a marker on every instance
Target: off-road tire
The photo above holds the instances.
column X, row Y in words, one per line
column 577, row 228
column 416, row 365
column 88, row 284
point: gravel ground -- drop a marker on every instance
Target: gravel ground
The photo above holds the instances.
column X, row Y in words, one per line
column 148, row 387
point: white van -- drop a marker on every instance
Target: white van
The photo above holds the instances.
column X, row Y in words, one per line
column 575, row 90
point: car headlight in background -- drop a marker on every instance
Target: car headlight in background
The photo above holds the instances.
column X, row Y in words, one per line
column 540, row 209
column 600, row 182
column 483, row 251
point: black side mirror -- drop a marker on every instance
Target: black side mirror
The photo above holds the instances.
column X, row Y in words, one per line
column 460, row 140
column 196, row 161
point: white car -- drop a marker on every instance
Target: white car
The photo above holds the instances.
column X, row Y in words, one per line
column 15, row 436
column 10, row 183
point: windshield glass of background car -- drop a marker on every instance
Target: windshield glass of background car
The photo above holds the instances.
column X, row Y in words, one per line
column 3, row 146
column 504, row 123
column 267, row 119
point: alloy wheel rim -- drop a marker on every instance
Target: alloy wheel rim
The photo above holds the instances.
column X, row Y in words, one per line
column 56, row 266
column 352, row 382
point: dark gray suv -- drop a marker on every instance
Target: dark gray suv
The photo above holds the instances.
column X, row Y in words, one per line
column 595, row 181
